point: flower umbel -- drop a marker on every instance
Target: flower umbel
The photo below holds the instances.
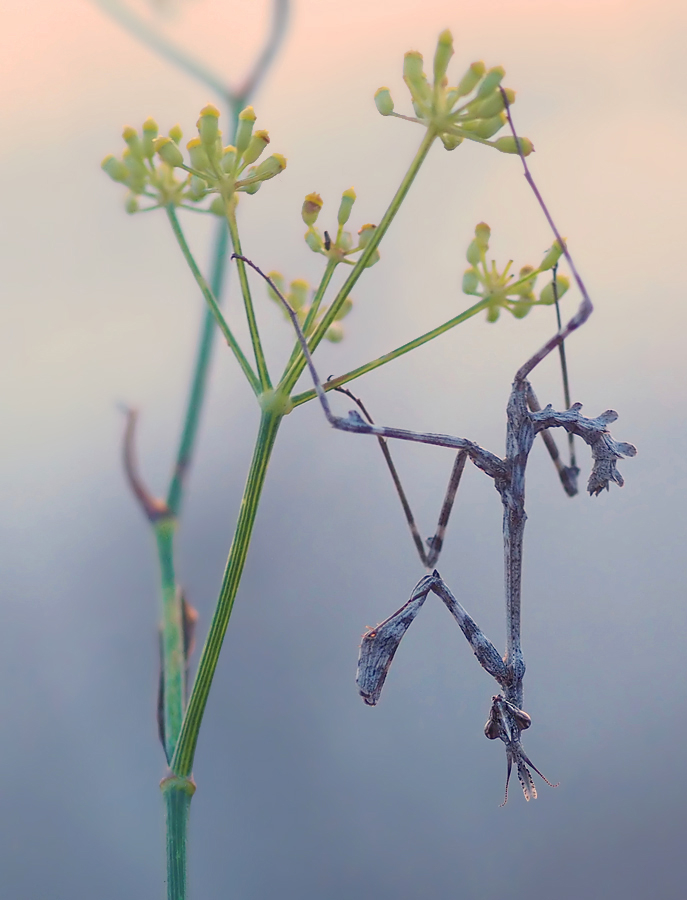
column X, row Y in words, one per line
column 499, row 289
column 342, row 247
column 300, row 299
column 154, row 166
column 474, row 109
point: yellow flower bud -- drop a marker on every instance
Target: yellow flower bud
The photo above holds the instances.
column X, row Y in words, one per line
column 552, row 256
column 208, row 127
column 311, row 208
column 334, row 333
column 547, row 296
column 168, row 151
column 365, row 235
column 150, row 131
column 278, row 280
column 416, row 79
column 485, row 128
column 508, row 145
column 176, row 133
column 198, row 156
column 115, row 168
column 383, row 101
column 344, row 309
column 442, row 55
column 470, row 282
column 313, row 239
column 475, row 251
column 253, row 186
column 482, row 234
column 298, row 293
column 491, row 81
column 245, row 129
column 471, row 79
column 133, row 141
column 347, row 201
column 270, row 167
column 131, row 204
column 489, row 107
column 450, row 141
column 229, row 159
column 257, row 144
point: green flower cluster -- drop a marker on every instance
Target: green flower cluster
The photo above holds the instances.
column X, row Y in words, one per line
column 309, row 314
column 498, row 288
column 473, row 110
column 150, row 164
column 342, row 246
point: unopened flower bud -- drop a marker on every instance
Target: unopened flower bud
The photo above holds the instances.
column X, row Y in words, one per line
column 485, row 128
column 311, row 208
column 131, row 204
column 552, row 256
column 442, row 55
column 383, row 101
column 344, row 309
column 245, row 129
column 475, row 251
column 176, row 133
column 491, row 81
column 489, row 107
column 365, row 235
column 415, row 78
column 253, row 186
column 229, row 160
column 270, row 167
column 257, row 144
column 548, row 297
column 298, row 293
column 482, row 234
column 471, row 79
column 133, row 141
column 450, row 141
column 168, row 151
column 208, row 127
column 493, row 313
column 197, row 188
column 217, row 207
column 150, row 131
column 347, row 201
column 508, row 145
column 520, row 309
column 198, row 156
column 314, row 240
column 334, row 333
column 278, row 280
column 470, row 281
column 115, row 168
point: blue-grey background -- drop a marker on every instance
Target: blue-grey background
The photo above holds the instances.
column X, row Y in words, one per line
column 303, row 792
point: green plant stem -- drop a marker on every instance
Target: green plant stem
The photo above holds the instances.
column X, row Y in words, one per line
column 173, row 661
column 147, row 35
column 199, row 378
column 265, row 383
column 212, row 302
column 177, row 793
column 182, row 763
column 298, row 399
column 294, row 373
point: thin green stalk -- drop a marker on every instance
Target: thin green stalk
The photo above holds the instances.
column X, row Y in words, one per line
column 199, row 378
column 177, row 793
column 173, row 661
column 298, row 399
column 151, row 38
column 314, row 307
column 182, row 763
column 211, row 301
column 263, row 374
column 295, row 371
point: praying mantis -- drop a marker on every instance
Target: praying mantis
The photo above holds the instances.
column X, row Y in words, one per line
column 525, row 419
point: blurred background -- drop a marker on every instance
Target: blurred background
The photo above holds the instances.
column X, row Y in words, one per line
column 304, row 792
